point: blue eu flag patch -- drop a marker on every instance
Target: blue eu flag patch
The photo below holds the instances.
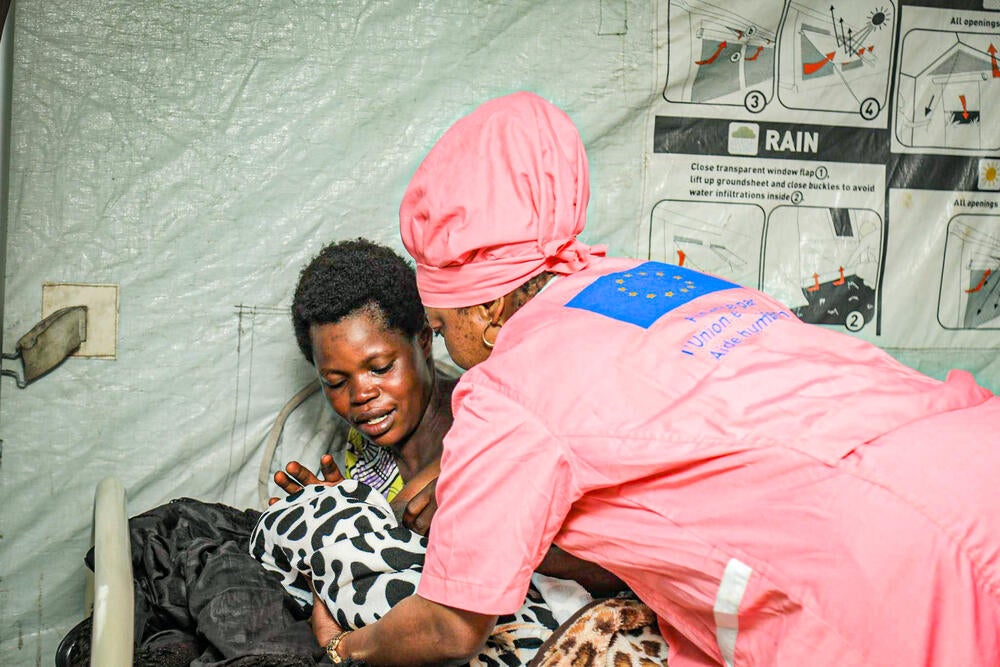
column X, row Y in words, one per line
column 645, row 293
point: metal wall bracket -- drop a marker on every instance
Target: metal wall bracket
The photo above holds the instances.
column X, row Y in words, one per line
column 48, row 344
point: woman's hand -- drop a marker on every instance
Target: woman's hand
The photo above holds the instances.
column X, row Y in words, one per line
column 295, row 476
column 415, row 503
column 419, row 511
column 415, row 627
column 323, row 626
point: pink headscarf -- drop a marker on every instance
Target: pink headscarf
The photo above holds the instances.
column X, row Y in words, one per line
column 499, row 199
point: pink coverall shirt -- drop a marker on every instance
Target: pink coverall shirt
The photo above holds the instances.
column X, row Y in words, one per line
column 779, row 493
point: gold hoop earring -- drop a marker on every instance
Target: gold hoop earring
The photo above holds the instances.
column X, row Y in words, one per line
column 488, row 344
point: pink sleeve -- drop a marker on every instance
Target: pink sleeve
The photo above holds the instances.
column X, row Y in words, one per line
column 505, row 489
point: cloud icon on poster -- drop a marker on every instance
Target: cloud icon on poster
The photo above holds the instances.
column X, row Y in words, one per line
column 744, row 138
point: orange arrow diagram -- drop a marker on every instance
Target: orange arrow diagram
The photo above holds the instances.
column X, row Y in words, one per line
column 993, row 61
column 815, row 286
column 757, row 53
column 812, row 68
column 965, row 111
column 841, row 280
column 680, row 257
column 710, row 60
column 982, row 281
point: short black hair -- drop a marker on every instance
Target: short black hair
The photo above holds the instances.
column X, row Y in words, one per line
column 347, row 276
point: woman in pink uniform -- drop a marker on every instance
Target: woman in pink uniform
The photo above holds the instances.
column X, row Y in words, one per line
column 779, row 493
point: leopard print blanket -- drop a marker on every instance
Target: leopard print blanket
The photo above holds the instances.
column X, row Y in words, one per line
column 620, row 632
column 345, row 540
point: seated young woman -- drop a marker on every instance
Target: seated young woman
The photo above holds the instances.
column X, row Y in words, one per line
column 358, row 319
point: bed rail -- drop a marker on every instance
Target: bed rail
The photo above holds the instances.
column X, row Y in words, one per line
column 112, row 638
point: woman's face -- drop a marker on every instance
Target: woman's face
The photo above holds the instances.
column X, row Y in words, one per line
column 462, row 329
column 378, row 379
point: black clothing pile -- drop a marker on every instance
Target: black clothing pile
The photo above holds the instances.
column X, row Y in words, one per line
column 201, row 599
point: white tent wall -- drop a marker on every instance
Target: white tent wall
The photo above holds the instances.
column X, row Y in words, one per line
column 197, row 154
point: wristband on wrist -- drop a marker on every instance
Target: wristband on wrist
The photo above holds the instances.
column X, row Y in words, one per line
column 331, row 648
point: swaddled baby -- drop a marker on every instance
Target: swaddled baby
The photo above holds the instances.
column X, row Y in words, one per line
column 347, row 541
column 361, row 562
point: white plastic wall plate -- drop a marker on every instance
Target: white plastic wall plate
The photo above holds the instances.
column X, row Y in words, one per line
column 102, row 314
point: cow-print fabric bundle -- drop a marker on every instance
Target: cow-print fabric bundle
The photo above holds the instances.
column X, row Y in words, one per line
column 361, row 562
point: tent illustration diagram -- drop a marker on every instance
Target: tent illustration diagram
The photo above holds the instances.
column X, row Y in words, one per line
column 823, row 263
column 722, row 53
column 970, row 281
column 949, row 89
column 722, row 239
column 836, row 56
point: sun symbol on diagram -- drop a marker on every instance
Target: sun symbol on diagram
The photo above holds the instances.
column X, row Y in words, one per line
column 989, row 175
column 879, row 18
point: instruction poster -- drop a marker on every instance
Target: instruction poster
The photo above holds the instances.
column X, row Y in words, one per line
column 841, row 156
